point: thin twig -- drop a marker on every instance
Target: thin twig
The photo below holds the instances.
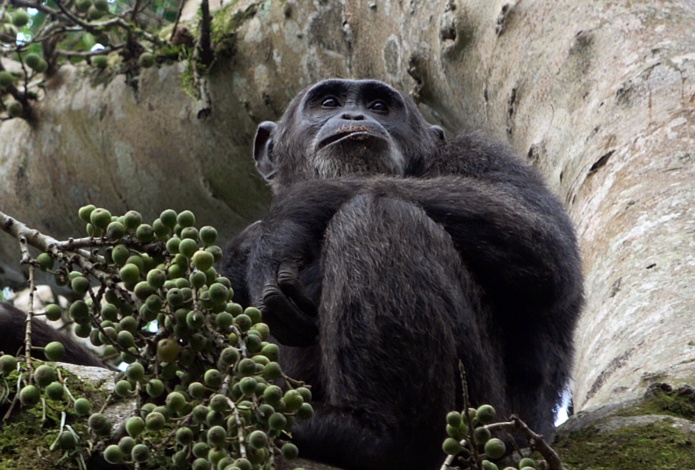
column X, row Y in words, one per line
column 178, row 18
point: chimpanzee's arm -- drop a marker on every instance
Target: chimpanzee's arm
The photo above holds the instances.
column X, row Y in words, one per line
column 510, row 231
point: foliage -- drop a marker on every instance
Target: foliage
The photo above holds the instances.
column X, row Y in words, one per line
column 117, row 36
column 209, row 390
column 473, row 442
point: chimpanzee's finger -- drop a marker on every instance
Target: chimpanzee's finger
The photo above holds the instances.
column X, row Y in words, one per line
column 292, row 287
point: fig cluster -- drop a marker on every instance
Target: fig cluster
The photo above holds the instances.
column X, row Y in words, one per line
column 201, row 366
column 470, row 430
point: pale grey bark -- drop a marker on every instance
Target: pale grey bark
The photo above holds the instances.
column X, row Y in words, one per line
column 599, row 95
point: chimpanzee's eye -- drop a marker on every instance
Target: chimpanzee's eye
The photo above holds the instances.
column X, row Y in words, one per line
column 330, row 102
column 378, row 106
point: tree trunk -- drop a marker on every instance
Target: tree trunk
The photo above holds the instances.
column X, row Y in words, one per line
column 599, row 95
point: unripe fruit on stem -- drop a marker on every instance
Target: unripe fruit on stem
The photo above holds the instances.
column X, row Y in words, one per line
column 146, row 60
column 20, row 18
column 29, row 395
column 54, row 351
column 495, row 448
column 53, row 312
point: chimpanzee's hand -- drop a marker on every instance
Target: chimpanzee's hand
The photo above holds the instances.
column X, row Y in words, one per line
column 287, row 309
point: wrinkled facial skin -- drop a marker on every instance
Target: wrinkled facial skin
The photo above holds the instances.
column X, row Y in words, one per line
column 341, row 128
column 353, row 137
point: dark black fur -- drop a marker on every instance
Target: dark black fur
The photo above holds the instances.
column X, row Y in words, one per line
column 389, row 254
column 13, row 325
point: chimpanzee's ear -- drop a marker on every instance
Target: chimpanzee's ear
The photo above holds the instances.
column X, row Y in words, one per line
column 438, row 132
column 263, row 150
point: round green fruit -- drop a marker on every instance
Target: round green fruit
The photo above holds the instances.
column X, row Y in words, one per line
column 115, row 231
column 94, row 13
column 44, row 375
column 155, row 388
column 217, row 436
column 454, row 419
column 20, row 18
column 223, row 321
column 196, row 390
column 135, row 426
column 143, row 290
column 67, row 440
column 175, row 401
column 29, row 395
column 32, row 60
column 254, row 314
column 79, row 311
column 83, row 5
column 113, row 454
column 451, row 446
column 247, row 367
column 258, row 439
column 243, row 322
column 289, row 451
column 155, row 421
column 219, row 293
column 6, row 79
column 146, row 60
column 208, row 235
column 272, row 371
column 189, row 232
column 185, row 219
column 201, row 463
column 156, row 278
column 293, row 400
column 100, row 61
column 306, row 411
column 41, row 67
column 54, row 351
column 15, row 109
column 248, row 386
column 140, row 453
column 271, row 351
column 8, row 364
column 168, row 350
column 272, row 394
column 45, row 261
column 53, row 312
column 495, row 448
column 131, row 219
column 85, row 212
column 168, row 218
column 188, row 247
column 123, row 388
column 145, row 233
column 203, row 260
column 82, row 407
column 213, row 378
column 135, row 372
column 102, row 5
column 487, row 465
column 277, row 422
column 100, row 218
column 482, row 435
column 126, row 443
column 184, row 436
column 485, row 414
column 80, row 285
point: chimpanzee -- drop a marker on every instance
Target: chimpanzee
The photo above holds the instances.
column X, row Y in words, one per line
column 13, row 325
column 390, row 254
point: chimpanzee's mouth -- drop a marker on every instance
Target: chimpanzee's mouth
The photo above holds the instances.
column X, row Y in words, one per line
column 349, row 134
